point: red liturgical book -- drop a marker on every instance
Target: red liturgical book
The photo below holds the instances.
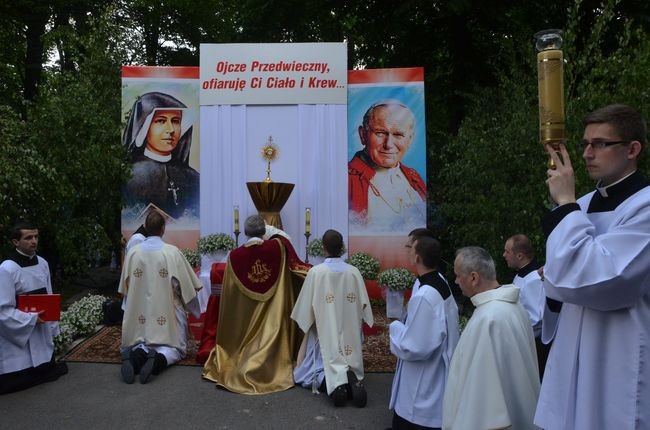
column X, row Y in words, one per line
column 50, row 303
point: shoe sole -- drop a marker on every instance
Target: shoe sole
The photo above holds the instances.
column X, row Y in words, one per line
column 128, row 374
column 147, row 368
column 359, row 395
column 339, row 396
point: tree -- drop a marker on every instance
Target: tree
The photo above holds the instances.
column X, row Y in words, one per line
column 492, row 177
column 69, row 156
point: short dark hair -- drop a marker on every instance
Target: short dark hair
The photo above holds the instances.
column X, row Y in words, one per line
column 333, row 243
column 254, row 226
column 627, row 122
column 421, row 232
column 155, row 223
column 16, row 230
column 521, row 243
column 428, row 248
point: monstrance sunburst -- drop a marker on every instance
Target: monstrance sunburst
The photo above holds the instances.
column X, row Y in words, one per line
column 270, row 153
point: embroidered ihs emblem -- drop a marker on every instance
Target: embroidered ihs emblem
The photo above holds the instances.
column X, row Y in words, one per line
column 259, row 272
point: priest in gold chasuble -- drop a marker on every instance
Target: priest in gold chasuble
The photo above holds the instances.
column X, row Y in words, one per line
column 256, row 338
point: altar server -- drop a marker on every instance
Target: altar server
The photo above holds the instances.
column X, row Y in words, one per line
column 160, row 288
column 424, row 342
column 330, row 309
column 493, row 380
column 598, row 274
column 519, row 255
column 26, row 341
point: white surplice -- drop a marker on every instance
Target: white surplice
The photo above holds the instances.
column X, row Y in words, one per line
column 424, row 344
column 494, row 380
column 532, row 298
column 334, row 298
column 160, row 288
column 23, row 342
column 598, row 264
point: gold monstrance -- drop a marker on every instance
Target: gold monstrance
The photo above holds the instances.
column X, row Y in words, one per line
column 270, row 153
column 269, row 197
column 550, row 80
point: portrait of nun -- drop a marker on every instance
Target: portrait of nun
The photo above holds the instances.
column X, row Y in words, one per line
column 158, row 136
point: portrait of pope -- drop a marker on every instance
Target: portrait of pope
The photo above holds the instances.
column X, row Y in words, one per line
column 383, row 193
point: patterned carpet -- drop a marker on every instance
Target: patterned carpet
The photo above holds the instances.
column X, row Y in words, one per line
column 103, row 346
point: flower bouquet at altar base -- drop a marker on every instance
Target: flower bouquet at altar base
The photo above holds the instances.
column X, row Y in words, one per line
column 366, row 263
column 315, row 249
column 216, row 242
column 192, row 256
column 396, row 279
column 79, row 319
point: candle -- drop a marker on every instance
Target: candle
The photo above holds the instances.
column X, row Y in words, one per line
column 307, row 220
column 550, row 75
column 236, row 216
column 550, row 81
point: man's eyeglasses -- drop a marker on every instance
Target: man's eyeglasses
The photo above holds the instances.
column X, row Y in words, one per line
column 599, row 144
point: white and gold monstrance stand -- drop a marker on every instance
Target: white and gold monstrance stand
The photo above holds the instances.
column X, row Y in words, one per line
column 270, row 197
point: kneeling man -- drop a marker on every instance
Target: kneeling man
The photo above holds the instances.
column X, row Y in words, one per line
column 330, row 309
column 159, row 288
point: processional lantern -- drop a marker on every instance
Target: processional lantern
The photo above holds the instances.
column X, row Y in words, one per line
column 550, row 80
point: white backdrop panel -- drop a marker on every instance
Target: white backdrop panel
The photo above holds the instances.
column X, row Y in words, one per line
column 313, row 156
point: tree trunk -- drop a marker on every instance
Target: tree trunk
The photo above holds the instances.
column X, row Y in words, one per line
column 34, row 54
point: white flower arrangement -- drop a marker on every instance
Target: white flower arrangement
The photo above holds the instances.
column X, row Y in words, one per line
column 79, row 319
column 366, row 263
column 215, row 242
column 315, row 249
column 397, row 279
column 192, row 256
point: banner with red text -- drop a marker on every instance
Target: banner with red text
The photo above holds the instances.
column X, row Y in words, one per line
column 273, row 73
column 160, row 111
column 386, row 161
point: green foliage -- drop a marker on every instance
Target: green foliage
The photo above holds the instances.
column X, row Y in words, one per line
column 65, row 162
column 192, row 256
column 366, row 263
column 216, row 242
column 492, row 180
column 80, row 319
column 396, row 279
column 315, row 248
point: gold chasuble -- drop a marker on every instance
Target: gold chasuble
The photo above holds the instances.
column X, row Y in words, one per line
column 256, row 338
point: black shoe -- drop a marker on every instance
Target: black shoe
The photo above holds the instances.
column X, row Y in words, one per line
column 128, row 374
column 147, row 368
column 357, row 390
column 339, row 396
column 138, row 358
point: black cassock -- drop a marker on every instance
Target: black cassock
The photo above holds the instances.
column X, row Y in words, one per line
column 173, row 187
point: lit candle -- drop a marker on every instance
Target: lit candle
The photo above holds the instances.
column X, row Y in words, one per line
column 307, row 220
column 236, row 216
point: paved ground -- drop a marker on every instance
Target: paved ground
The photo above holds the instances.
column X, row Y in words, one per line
column 91, row 396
